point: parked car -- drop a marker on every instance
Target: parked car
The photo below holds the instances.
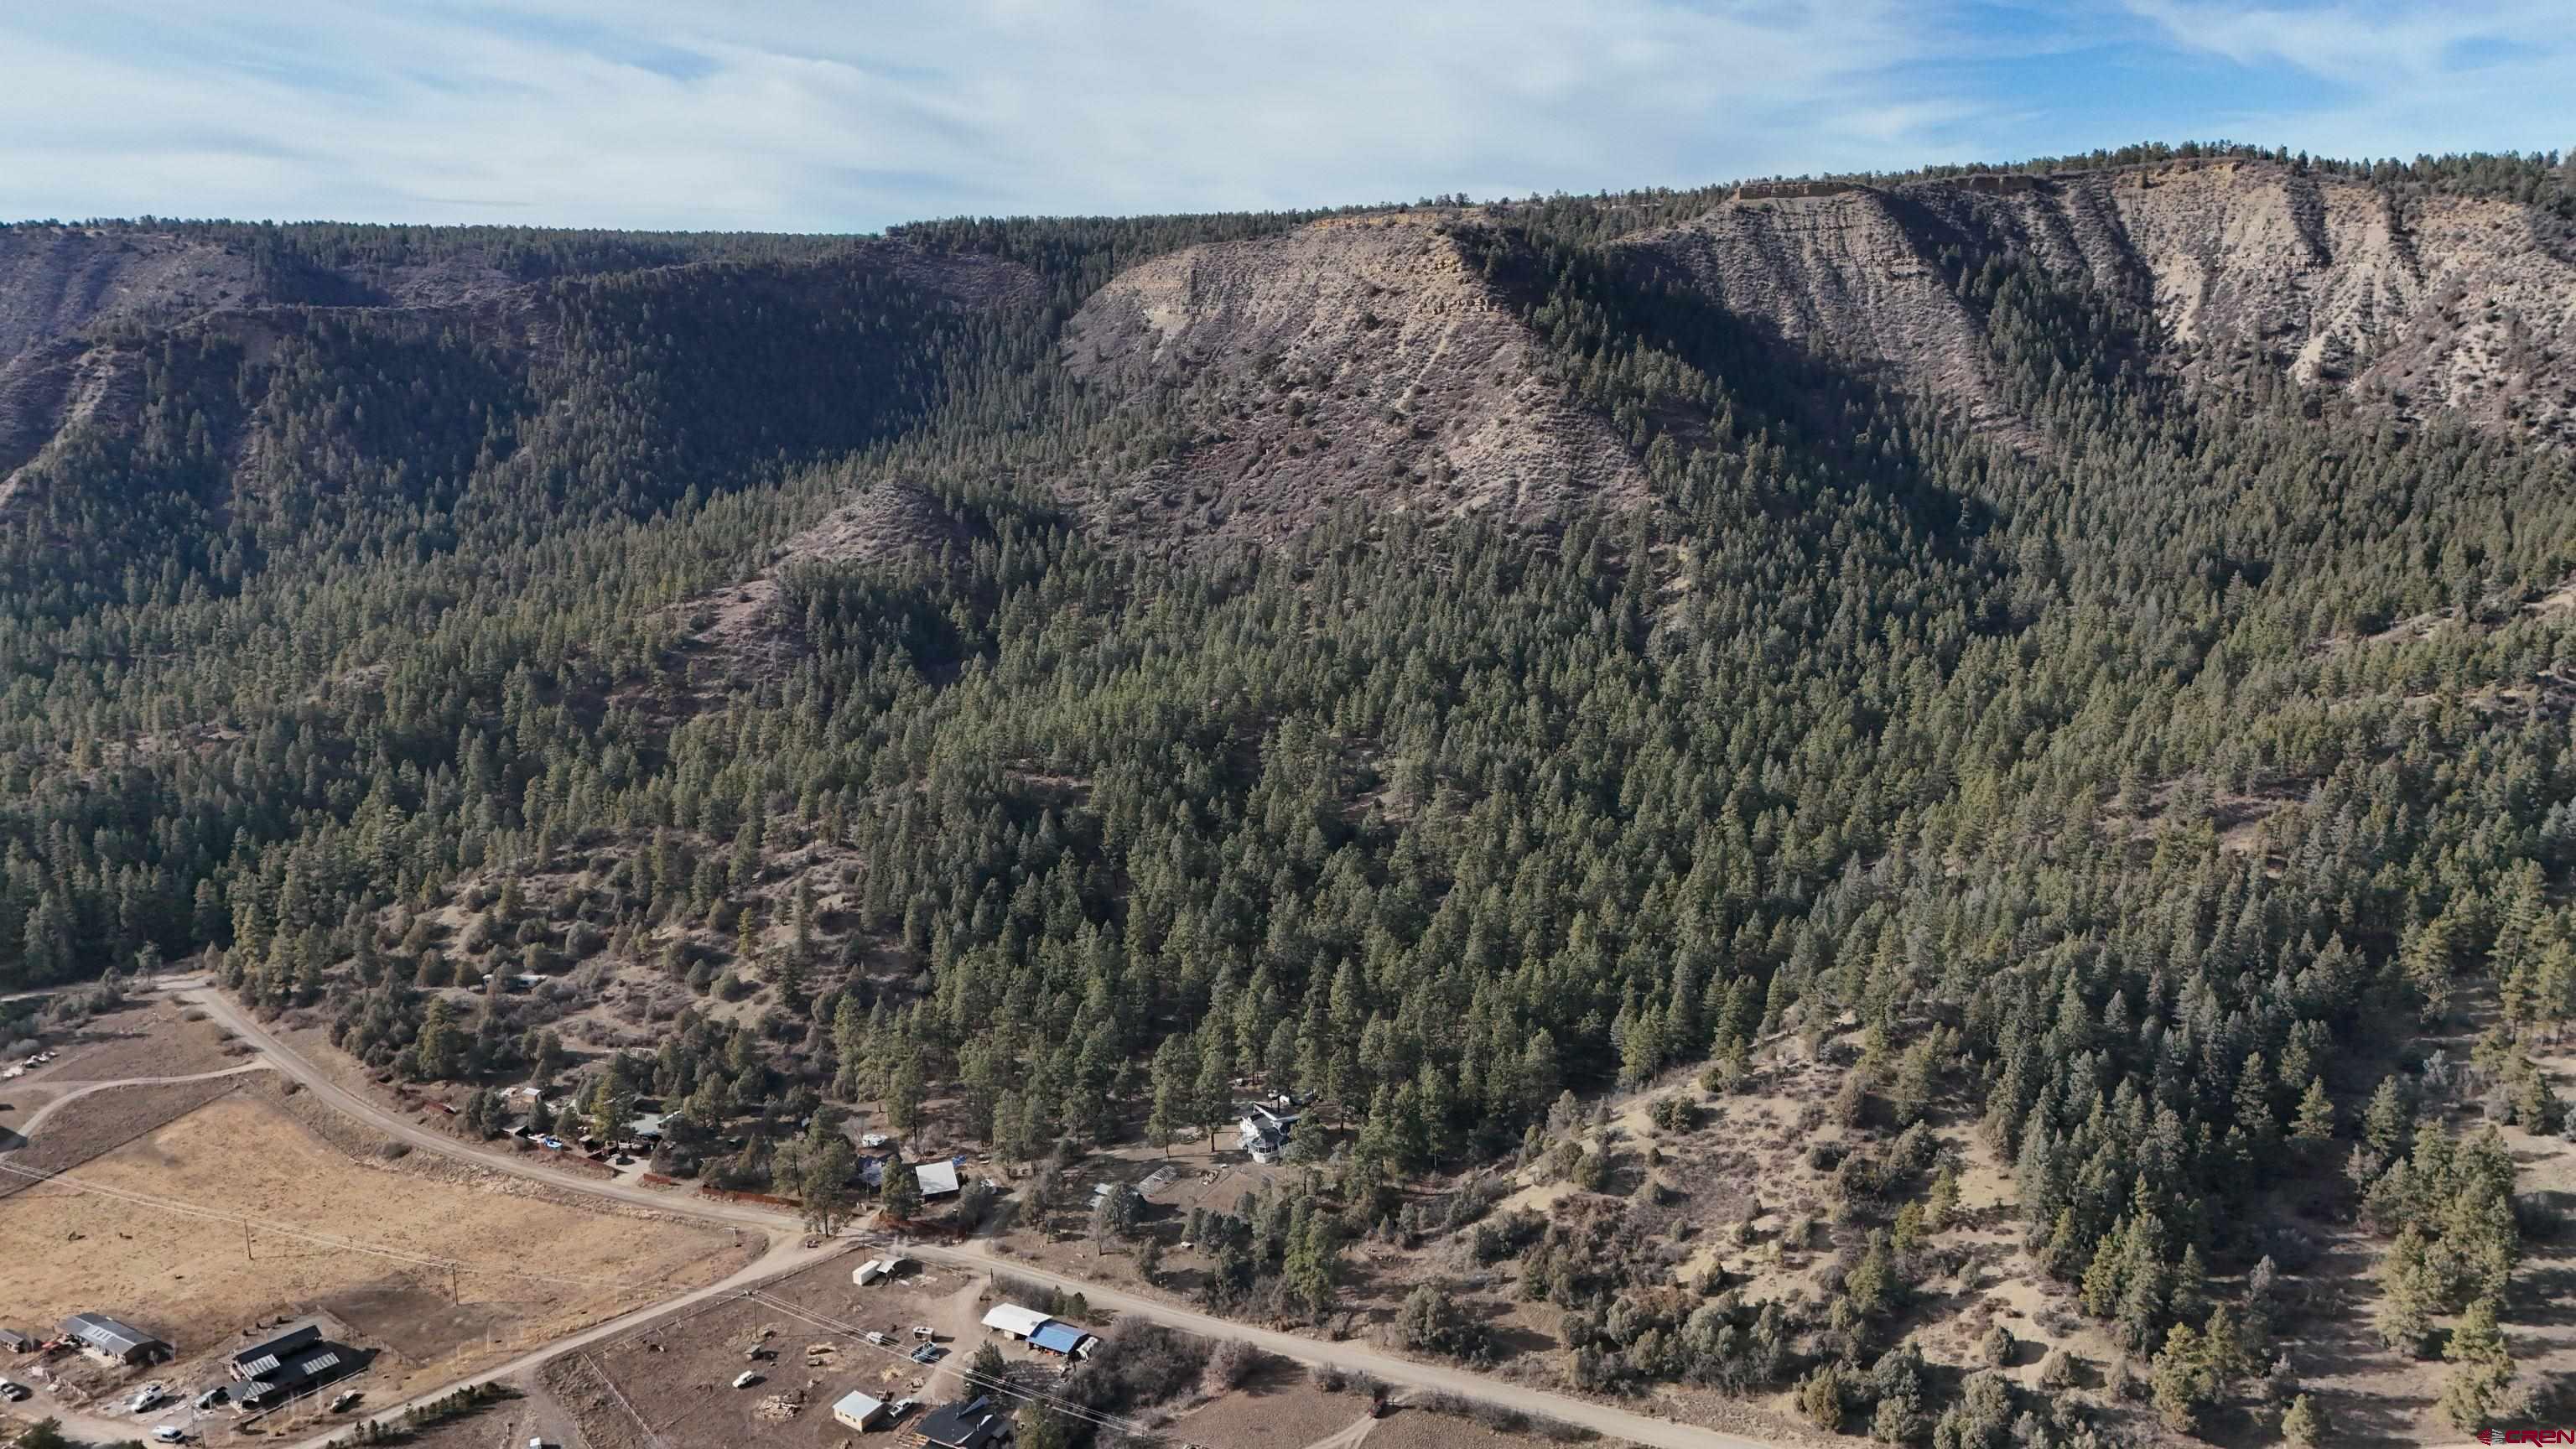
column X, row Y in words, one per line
column 879, row 1339
column 11, row 1393
column 745, row 1379
column 346, row 1398
column 925, row 1333
column 170, row 1434
column 927, row 1353
column 147, row 1396
column 900, row 1407
column 211, row 1397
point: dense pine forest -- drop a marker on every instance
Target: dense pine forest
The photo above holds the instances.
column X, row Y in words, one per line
column 2141, row 787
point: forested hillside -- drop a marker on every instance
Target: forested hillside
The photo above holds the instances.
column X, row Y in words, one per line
column 1034, row 679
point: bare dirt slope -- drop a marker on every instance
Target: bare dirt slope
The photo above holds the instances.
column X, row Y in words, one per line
column 2416, row 305
column 1354, row 361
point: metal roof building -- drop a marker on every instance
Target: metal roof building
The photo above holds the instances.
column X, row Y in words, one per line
column 262, row 1359
column 121, row 1341
column 858, row 1411
column 970, row 1425
column 938, row 1179
column 1014, row 1320
column 1061, row 1339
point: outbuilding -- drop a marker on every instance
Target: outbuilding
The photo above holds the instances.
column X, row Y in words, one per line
column 1062, row 1339
column 109, row 1338
column 12, row 1341
column 857, row 1411
column 938, row 1179
column 1011, row 1320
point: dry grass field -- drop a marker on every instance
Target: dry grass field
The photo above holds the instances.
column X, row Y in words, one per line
column 235, row 1212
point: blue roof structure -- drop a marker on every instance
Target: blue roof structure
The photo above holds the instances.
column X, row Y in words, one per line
column 1056, row 1337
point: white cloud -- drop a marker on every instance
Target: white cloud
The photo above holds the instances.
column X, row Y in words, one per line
column 2407, row 76
column 828, row 114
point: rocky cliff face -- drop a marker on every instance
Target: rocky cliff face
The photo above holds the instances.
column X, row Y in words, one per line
column 2435, row 303
column 1355, row 361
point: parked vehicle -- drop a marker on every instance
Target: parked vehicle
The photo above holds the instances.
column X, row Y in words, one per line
column 927, row 1353
column 879, row 1339
column 346, row 1398
column 170, row 1434
column 925, row 1333
column 147, row 1397
column 211, row 1397
column 11, row 1393
column 900, row 1407
column 745, row 1380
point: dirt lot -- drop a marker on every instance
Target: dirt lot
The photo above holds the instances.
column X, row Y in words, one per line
column 153, row 1037
column 676, row 1377
column 1283, row 1411
column 102, row 1122
column 213, row 1224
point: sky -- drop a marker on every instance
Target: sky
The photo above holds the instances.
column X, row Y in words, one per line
column 799, row 115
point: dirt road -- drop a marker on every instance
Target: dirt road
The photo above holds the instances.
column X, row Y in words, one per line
column 1350, row 1357
column 79, row 1090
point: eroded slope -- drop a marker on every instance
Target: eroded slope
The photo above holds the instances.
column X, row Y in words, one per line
column 1354, row 361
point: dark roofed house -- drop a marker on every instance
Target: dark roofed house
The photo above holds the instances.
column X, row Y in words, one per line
column 264, row 1358
column 313, row 1368
column 973, row 1424
column 122, row 1342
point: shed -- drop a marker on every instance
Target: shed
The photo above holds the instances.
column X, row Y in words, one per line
column 14, row 1341
column 858, row 1411
column 1062, row 1339
column 1012, row 1319
column 938, row 1179
column 120, row 1341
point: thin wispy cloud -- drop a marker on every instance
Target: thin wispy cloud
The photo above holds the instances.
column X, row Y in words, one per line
column 846, row 116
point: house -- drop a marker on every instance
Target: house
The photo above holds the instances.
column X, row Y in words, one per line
column 857, row 1411
column 1062, row 1339
column 308, row 1370
column 974, row 1424
column 111, row 1339
column 1265, row 1132
column 938, row 1179
column 1011, row 1320
column 13, row 1341
column 264, row 1358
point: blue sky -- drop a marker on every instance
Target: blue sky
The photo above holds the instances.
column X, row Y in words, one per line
column 793, row 115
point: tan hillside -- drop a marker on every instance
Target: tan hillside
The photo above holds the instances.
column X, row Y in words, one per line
column 1352, row 361
column 2438, row 302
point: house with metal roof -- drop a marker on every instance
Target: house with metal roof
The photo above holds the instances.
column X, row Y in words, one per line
column 267, row 1356
column 113, row 1339
column 1013, row 1320
column 974, row 1424
column 938, row 1179
column 857, row 1411
column 307, row 1371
